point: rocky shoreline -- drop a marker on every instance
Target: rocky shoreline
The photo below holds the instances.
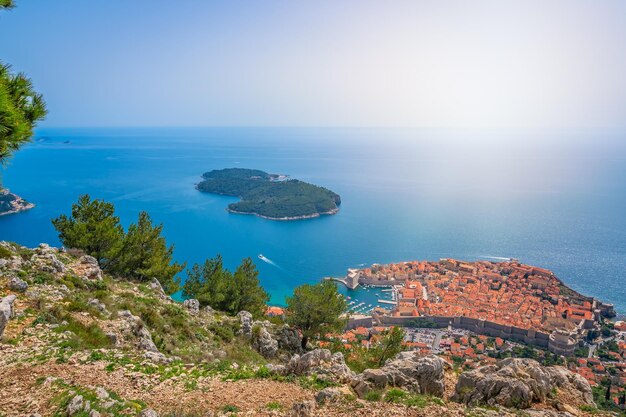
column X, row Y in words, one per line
column 308, row 216
column 11, row 203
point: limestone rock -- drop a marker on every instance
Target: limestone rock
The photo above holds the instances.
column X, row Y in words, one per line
column 303, row 409
column 288, row 339
column 159, row 358
column 322, row 363
column 101, row 393
column 149, row 412
column 264, row 343
column 75, row 405
column 95, row 303
column 424, row 375
column 192, row 305
column 6, row 311
column 518, row 383
column 136, row 326
column 158, row 288
column 57, row 265
column 245, row 319
column 328, row 395
column 17, row 284
column 90, row 268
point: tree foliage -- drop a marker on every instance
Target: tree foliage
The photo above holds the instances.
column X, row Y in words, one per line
column 20, row 109
column 20, row 106
column 145, row 255
column 213, row 285
column 390, row 345
column 141, row 253
column 315, row 309
column 92, row 227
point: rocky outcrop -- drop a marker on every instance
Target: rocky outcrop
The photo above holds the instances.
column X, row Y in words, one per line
column 329, row 395
column 75, row 405
column 245, row 322
column 319, row 362
column 264, row 343
column 303, row 409
column 89, row 267
column 148, row 412
column 134, row 325
column 192, row 305
column 260, row 333
column 6, row 311
column 288, row 339
column 519, row 383
column 17, row 284
column 156, row 286
column 423, row 375
column 45, row 259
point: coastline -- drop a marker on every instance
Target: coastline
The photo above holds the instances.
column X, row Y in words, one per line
column 17, row 203
column 304, row 217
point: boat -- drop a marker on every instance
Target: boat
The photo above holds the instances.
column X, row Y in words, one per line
column 261, row 256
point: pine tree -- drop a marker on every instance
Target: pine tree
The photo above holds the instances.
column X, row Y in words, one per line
column 391, row 344
column 20, row 109
column 247, row 293
column 211, row 284
column 315, row 309
column 145, row 255
column 92, row 227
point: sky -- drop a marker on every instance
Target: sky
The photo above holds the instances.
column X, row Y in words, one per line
column 528, row 64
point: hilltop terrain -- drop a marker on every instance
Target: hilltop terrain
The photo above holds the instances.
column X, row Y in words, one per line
column 76, row 342
column 269, row 195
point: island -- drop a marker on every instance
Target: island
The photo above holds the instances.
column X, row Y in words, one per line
column 11, row 203
column 271, row 196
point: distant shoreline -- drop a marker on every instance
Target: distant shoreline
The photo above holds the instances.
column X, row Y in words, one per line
column 307, row 216
column 17, row 203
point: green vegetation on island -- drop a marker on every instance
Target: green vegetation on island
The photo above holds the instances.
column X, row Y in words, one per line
column 269, row 195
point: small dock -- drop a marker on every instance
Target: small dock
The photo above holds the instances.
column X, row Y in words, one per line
column 387, row 302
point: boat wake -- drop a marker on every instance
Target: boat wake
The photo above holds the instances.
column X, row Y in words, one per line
column 500, row 258
column 268, row 260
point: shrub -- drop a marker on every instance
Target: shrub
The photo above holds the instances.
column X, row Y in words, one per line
column 374, row 395
column 229, row 408
column 5, row 253
column 395, row 395
column 274, row 405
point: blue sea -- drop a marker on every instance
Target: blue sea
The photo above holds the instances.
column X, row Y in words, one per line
column 556, row 199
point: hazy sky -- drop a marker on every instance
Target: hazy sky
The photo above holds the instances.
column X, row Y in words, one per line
column 323, row 63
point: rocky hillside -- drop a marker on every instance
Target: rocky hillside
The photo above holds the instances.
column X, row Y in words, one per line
column 75, row 342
